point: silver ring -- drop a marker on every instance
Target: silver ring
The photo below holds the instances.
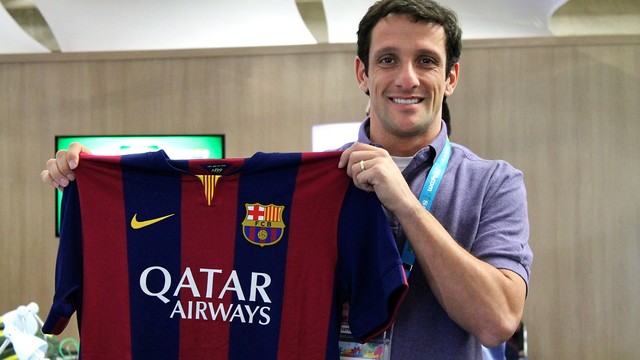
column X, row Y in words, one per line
column 362, row 165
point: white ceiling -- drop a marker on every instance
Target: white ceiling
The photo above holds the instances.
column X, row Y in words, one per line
column 124, row 25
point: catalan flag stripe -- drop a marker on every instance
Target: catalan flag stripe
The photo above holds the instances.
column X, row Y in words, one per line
column 273, row 213
column 209, row 182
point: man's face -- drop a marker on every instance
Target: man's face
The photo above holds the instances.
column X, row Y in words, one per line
column 407, row 79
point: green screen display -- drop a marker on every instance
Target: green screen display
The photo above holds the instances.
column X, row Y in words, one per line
column 176, row 147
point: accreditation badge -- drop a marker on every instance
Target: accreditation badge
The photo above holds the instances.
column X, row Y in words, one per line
column 377, row 348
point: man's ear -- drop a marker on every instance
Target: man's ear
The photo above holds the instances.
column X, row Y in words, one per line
column 361, row 76
column 452, row 80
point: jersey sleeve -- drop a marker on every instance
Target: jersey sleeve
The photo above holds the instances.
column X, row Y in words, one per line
column 68, row 279
column 370, row 275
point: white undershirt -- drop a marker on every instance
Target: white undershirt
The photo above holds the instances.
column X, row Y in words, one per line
column 402, row 161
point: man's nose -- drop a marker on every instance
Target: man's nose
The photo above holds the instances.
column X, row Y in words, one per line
column 407, row 77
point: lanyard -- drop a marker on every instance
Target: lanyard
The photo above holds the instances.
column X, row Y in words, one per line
column 427, row 195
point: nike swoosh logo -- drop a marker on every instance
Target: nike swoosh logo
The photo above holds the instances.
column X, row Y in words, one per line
column 140, row 224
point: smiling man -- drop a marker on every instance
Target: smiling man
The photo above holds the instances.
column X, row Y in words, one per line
column 466, row 250
column 406, row 78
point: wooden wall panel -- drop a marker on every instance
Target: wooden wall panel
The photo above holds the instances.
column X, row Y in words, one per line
column 563, row 110
column 567, row 115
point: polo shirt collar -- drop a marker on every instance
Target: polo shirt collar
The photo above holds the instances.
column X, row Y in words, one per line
column 422, row 154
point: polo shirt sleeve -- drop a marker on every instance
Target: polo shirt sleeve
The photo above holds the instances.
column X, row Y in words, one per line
column 502, row 238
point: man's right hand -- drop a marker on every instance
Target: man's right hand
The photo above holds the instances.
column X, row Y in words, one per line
column 59, row 171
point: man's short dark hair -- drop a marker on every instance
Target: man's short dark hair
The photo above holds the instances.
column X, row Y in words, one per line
column 427, row 11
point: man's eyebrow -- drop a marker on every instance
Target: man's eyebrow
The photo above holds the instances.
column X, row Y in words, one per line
column 430, row 52
column 386, row 50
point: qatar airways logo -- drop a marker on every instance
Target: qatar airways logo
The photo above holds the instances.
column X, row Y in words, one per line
column 251, row 298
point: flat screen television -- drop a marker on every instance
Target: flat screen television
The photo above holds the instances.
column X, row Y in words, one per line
column 190, row 146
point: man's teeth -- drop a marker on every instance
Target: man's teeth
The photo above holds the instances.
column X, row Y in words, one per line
column 406, row 101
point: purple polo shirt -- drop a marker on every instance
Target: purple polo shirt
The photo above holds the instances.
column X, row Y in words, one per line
column 482, row 204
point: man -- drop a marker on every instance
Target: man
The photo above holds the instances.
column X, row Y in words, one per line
column 472, row 259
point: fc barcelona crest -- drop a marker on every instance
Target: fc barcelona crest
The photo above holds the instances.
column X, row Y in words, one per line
column 262, row 224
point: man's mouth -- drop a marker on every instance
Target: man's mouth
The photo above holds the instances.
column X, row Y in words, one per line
column 406, row 101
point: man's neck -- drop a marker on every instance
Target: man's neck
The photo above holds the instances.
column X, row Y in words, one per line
column 404, row 146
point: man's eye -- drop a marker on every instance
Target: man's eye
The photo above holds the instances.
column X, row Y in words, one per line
column 386, row 60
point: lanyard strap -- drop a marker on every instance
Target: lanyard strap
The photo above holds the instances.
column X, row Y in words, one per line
column 427, row 195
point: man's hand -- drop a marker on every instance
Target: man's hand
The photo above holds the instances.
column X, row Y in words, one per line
column 59, row 171
column 373, row 169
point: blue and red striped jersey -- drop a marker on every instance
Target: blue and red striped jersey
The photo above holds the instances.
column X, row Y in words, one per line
column 233, row 258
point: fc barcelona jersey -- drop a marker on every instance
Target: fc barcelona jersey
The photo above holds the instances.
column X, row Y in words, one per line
column 235, row 258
